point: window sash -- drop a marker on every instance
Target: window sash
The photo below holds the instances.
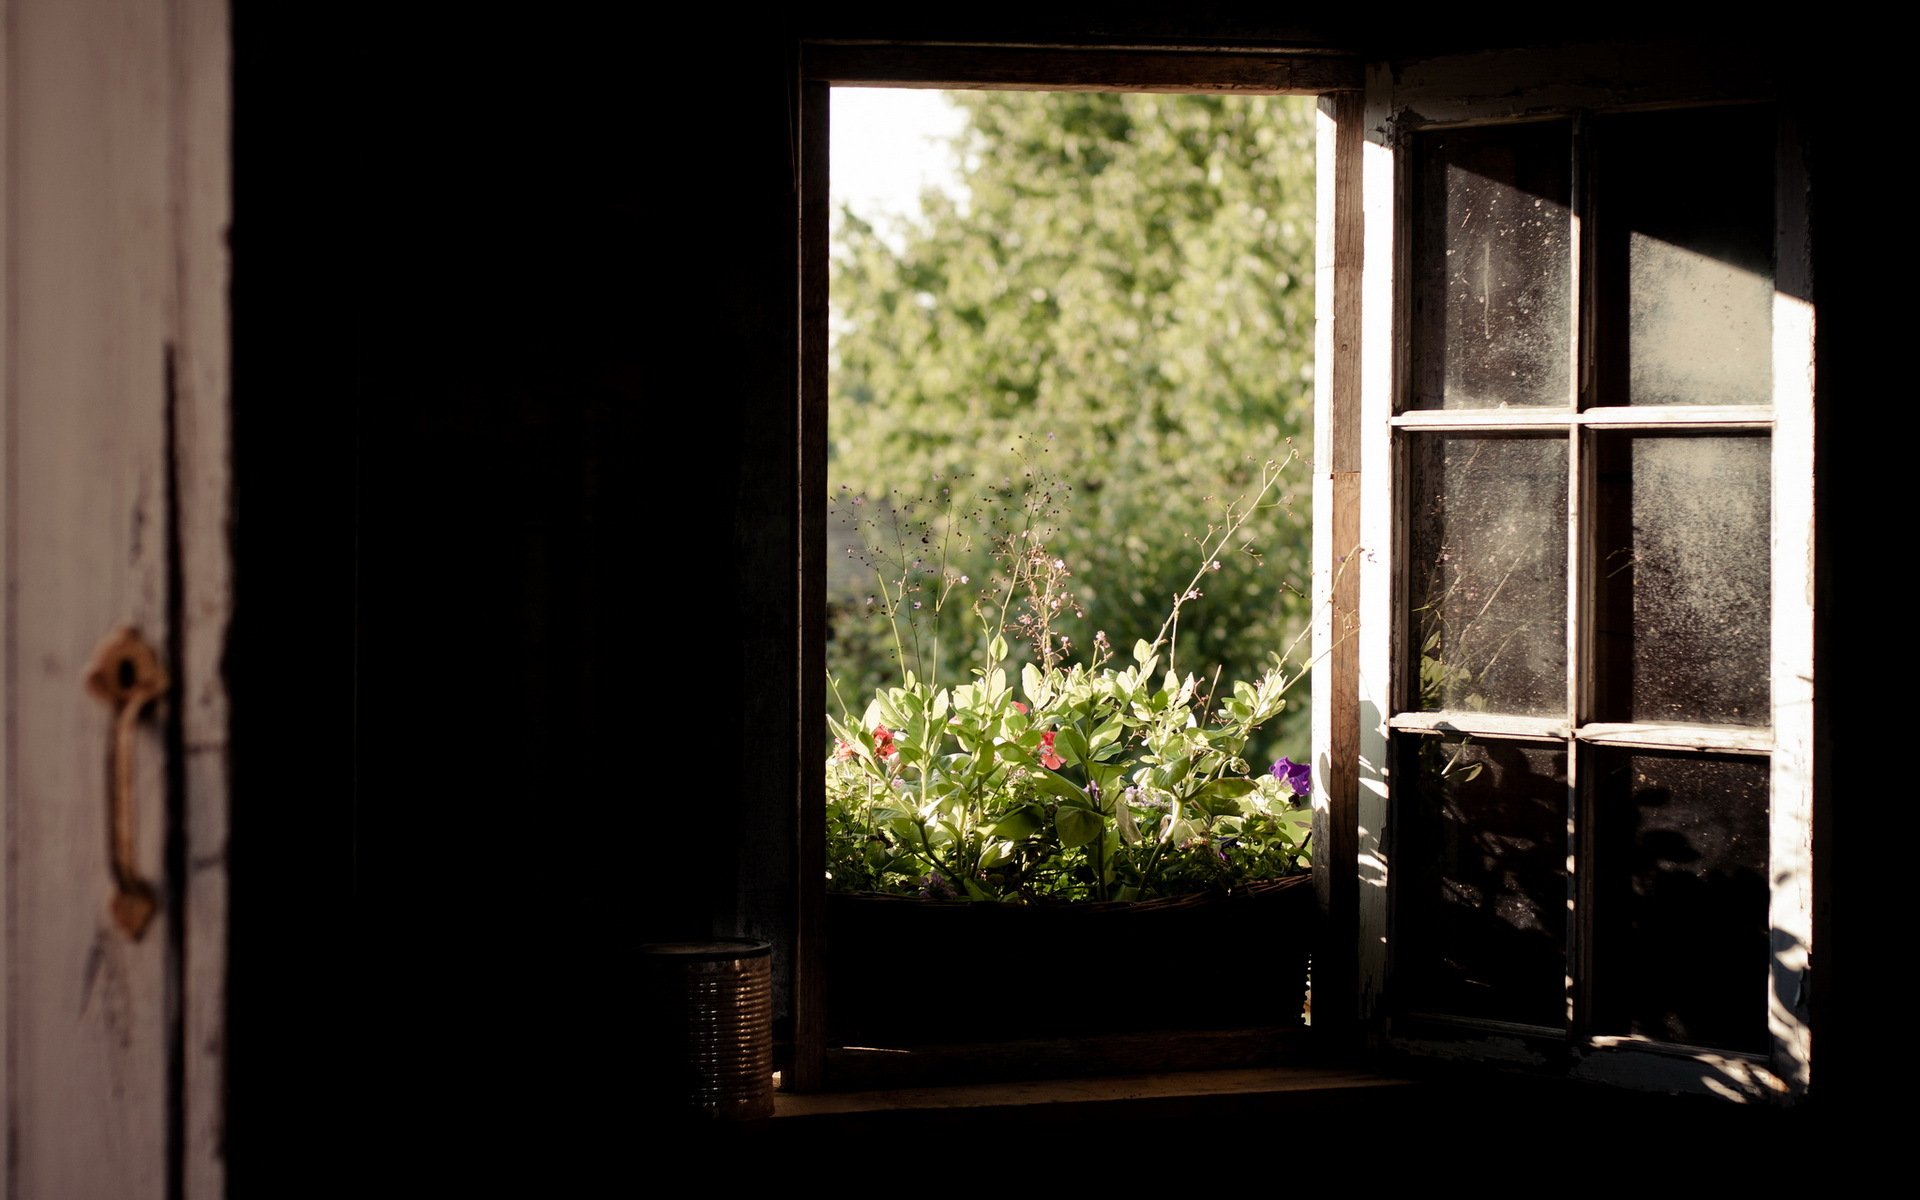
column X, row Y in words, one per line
column 1384, row 421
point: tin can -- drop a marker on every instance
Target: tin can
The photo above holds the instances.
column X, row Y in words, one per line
column 707, row 1039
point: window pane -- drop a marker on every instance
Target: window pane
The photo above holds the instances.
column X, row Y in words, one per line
column 1682, row 625
column 1492, row 267
column 1683, row 223
column 1680, row 941
column 1481, row 873
column 1488, row 573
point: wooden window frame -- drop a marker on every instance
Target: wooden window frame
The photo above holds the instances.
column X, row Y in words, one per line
column 1396, row 105
column 1333, row 76
column 1366, row 112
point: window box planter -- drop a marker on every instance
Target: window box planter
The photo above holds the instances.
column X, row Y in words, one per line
column 903, row 971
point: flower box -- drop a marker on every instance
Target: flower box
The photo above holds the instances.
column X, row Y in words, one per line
column 903, row 971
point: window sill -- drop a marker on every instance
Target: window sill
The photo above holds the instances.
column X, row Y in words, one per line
column 1244, row 1091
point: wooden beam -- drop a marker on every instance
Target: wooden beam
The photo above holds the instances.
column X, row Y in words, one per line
column 1038, row 68
column 1520, row 82
column 92, row 292
column 809, row 993
column 1339, row 250
column 1308, row 1082
column 200, row 401
column 1678, row 417
column 1795, row 570
column 1379, row 360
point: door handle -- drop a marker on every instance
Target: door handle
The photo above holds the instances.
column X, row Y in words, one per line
column 126, row 674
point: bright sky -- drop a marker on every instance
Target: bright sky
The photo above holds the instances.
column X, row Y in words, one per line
column 888, row 146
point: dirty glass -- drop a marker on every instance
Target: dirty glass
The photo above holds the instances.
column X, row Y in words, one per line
column 1680, row 908
column 1683, row 230
column 1492, row 266
column 1487, row 572
column 1483, row 900
column 1683, row 593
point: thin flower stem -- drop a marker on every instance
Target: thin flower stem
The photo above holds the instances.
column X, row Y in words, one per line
column 893, row 622
column 1237, row 515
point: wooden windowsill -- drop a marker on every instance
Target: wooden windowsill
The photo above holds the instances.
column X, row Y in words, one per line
column 1269, row 1086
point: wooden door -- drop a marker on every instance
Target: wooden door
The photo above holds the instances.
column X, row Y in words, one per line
column 116, row 507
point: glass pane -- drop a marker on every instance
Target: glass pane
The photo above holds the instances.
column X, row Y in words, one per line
column 1481, row 879
column 1487, row 573
column 1683, row 224
column 1680, row 914
column 1682, row 625
column 1492, row 267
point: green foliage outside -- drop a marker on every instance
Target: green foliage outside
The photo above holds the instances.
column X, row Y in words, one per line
column 1110, row 337
column 1090, row 782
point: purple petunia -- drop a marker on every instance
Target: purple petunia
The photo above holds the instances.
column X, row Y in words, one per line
column 1297, row 776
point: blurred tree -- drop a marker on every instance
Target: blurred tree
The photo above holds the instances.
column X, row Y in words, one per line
column 1119, row 313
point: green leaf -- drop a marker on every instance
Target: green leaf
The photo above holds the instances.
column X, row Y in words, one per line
column 1169, row 774
column 1047, row 781
column 997, row 649
column 1033, row 684
column 1077, row 826
column 1221, row 797
column 1071, row 745
column 996, row 683
column 1229, row 788
column 1142, row 652
column 1022, row 822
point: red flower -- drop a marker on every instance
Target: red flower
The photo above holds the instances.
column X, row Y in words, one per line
column 1020, row 708
column 883, row 742
column 1048, row 759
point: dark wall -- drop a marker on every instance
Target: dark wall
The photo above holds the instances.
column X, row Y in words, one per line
column 294, row 965
column 515, row 411
column 1863, row 823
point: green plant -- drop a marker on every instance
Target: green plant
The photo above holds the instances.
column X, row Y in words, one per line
column 1090, row 781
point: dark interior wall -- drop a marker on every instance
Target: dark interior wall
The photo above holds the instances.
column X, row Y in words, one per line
column 513, row 669
column 1863, row 823
column 294, row 962
column 576, row 543
column 514, row 311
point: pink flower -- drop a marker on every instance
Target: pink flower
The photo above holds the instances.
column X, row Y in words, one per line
column 1020, row 708
column 883, row 742
column 843, row 749
column 1048, row 759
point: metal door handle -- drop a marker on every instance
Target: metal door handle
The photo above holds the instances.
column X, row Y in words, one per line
column 127, row 675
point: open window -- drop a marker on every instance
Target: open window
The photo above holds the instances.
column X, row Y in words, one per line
column 1585, row 677
column 1564, row 725
column 829, row 66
